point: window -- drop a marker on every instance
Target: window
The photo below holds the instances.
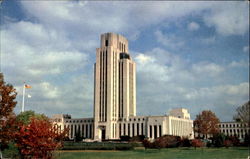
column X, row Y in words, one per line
column 128, row 129
column 133, row 130
column 137, row 129
column 142, row 129
column 155, row 131
column 150, row 131
column 124, row 129
column 106, row 42
column 160, row 133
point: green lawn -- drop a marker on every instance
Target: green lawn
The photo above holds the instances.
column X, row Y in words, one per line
column 171, row 153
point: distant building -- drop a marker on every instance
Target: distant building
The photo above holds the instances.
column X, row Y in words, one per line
column 115, row 101
column 234, row 129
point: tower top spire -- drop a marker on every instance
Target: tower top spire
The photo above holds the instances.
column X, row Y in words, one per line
column 115, row 40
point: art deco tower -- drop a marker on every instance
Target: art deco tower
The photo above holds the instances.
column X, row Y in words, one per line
column 115, row 86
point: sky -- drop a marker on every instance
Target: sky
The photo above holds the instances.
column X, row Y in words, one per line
column 192, row 55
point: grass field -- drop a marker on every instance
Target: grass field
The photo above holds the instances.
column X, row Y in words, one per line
column 171, row 153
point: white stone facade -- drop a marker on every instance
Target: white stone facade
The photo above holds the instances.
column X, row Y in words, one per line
column 149, row 126
column 115, row 101
column 234, row 129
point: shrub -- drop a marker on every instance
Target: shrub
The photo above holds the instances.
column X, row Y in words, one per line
column 218, row 140
column 234, row 140
column 97, row 146
column 197, row 143
column 147, row 144
column 138, row 138
column 125, row 138
column 227, row 143
column 246, row 140
column 170, row 141
column 185, row 142
column 165, row 141
column 209, row 144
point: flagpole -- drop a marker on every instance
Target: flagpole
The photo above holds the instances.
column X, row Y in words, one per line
column 23, row 97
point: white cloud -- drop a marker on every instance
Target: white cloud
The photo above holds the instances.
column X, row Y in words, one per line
column 229, row 18
column 143, row 59
column 241, row 63
column 193, row 26
column 169, row 40
column 208, row 69
column 208, row 40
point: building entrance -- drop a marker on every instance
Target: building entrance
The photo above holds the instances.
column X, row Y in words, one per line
column 103, row 134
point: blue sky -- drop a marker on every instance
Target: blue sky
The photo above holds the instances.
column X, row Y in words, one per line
column 193, row 55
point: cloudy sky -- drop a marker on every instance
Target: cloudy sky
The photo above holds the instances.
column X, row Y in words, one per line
column 193, row 55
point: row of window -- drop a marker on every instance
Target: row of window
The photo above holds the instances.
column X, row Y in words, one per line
column 232, row 125
column 83, row 130
column 125, row 130
column 78, row 121
column 235, row 130
column 135, row 119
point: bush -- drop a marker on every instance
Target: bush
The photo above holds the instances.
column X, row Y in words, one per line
column 209, row 144
column 97, row 146
column 171, row 141
column 125, row 138
column 228, row 143
column 166, row 141
column 234, row 140
column 185, row 142
column 246, row 140
column 197, row 143
column 147, row 144
column 218, row 140
column 138, row 138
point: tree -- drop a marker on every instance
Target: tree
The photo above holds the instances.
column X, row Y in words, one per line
column 206, row 123
column 7, row 116
column 243, row 113
column 25, row 117
column 38, row 139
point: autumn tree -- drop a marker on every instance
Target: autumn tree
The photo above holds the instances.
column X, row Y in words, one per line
column 206, row 123
column 7, row 116
column 243, row 113
column 38, row 138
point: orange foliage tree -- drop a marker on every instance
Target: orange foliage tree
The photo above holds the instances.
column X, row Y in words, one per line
column 38, row 139
column 7, row 116
column 206, row 123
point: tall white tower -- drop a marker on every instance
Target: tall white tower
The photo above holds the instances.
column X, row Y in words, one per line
column 115, row 86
